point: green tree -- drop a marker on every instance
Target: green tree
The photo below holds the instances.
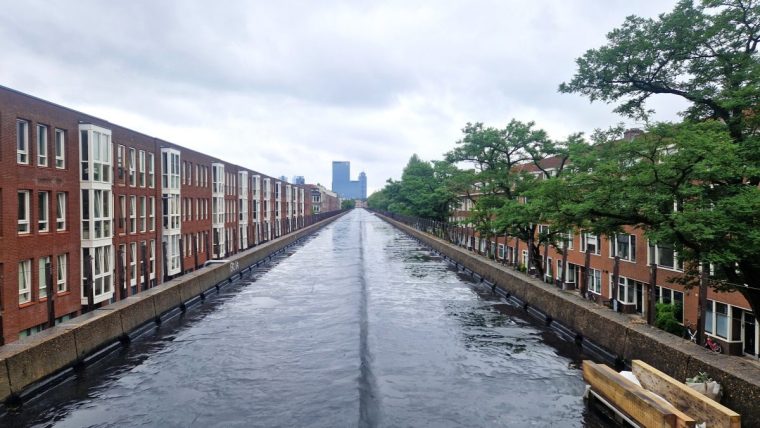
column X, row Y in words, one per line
column 424, row 190
column 505, row 192
column 694, row 185
column 348, row 204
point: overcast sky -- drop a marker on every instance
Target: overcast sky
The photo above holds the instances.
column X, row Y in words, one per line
column 286, row 87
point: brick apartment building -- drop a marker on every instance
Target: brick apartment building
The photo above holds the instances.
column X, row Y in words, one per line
column 729, row 318
column 82, row 198
column 319, row 199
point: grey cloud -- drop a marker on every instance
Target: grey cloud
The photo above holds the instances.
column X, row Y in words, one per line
column 290, row 86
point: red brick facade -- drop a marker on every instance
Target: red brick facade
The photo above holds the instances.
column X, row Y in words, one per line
column 116, row 193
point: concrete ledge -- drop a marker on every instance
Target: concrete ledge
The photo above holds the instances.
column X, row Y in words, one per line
column 623, row 335
column 134, row 311
column 95, row 329
column 165, row 296
column 40, row 356
column 5, row 382
column 37, row 357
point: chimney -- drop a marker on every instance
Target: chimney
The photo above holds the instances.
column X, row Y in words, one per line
column 630, row 134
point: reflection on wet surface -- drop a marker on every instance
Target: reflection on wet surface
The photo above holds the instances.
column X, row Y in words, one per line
column 357, row 327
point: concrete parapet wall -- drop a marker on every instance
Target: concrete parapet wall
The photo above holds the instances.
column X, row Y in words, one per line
column 626, row 336
column 35, row 358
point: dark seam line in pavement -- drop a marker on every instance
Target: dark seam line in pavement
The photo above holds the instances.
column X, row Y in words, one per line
column 368, row 405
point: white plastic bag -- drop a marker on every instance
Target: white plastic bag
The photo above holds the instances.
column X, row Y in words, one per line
column 711, row 389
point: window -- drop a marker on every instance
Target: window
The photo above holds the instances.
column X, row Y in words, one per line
column 24, row 281
column 664, row 256
column 60, row 149
column 721, row 319
column 61, row 277
column 143, row 254
column 122, row 212
column 152, row 213
column 143, row 210
column 96, row 216
column 95, row 154
column 60, row 211
column 141, row 169
column 152, row 261
column 133, row 264
column 132, row 164
column 623, row 246
column 120, row 161
column 23, row 211
column 101, row 260
column 561, row 240
column 151, row 171
column 42, row 145
column 589, row 242
column 43, row 213
column 673, row 297
column 43, row 265
column 595, row 281
column 22, row 142
column 132, row 214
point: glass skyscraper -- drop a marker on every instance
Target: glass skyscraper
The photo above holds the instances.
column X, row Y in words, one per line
column 342, row 184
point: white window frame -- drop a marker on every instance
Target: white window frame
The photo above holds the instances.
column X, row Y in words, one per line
column 22, row 141
column 24, row 281
column 60, row 148
column 133, row 214
column 631, row 244
column 142, row 215
column 62, row 267
column 152, row 213
column 61, row 208
column 131, row 166
column 586, row 238
column 42, row 262
column 42, row 145
column 595, row 281
column 141, row 168
column 653, row 254
column 43, row 211
column 133, row 264
column 151, row 170
column 24, row 224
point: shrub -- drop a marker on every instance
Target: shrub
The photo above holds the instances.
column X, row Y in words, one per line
column 666, row 319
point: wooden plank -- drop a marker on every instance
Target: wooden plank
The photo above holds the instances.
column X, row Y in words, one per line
column 641, row 405
column 685, row 399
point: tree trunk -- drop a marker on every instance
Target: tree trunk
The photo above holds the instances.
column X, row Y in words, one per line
column 651, row 308
column 564, row 264
column 586, row 271
column 702, row 305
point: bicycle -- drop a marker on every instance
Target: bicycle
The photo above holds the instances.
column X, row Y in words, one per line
column 692, row 334
column 709, row 343
column 713, row 346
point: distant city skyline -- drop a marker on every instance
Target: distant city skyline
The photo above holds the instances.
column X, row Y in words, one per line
column 342, row 183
